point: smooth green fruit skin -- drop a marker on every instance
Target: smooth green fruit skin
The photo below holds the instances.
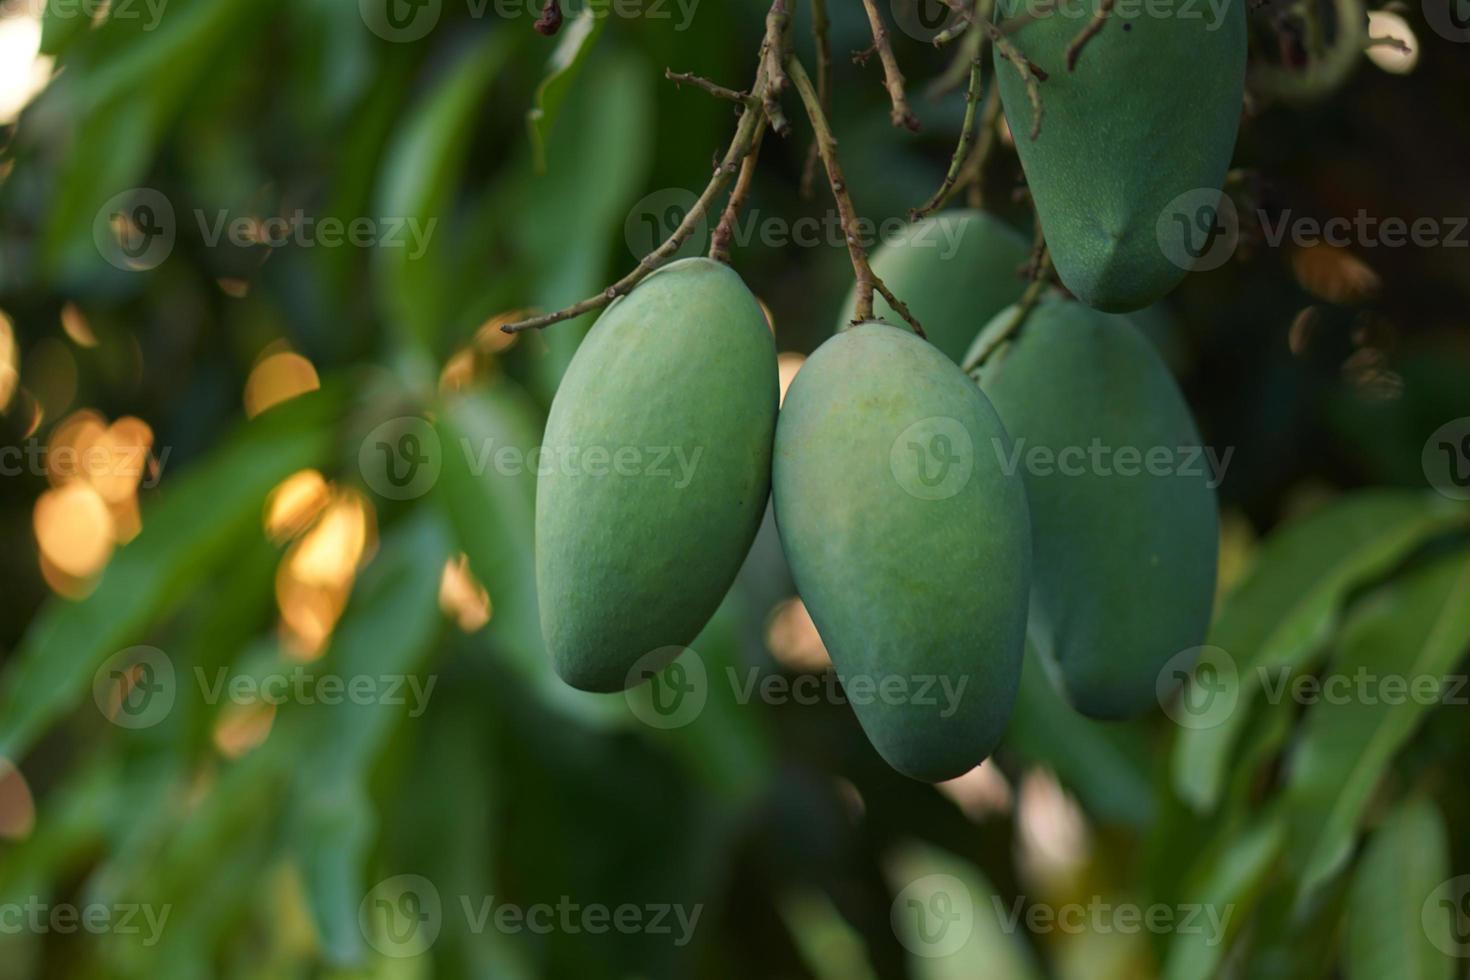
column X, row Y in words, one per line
column 1124, row 565
column 634, row 558
column 955, row 270
column 901, row 587
column 1149, row 114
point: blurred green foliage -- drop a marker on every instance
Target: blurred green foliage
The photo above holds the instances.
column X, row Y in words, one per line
column 1319, row 829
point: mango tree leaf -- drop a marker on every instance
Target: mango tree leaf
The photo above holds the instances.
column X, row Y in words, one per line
column 1226, row 886
column 1407, row 859
column 123, row 101
column 1106, row 765
column 1290, row 603
column 599, row 163
column 1395, row 652
column 419, row 182
column 578, row 38
column 490, row 441
column 198, row 523
column 388, row 628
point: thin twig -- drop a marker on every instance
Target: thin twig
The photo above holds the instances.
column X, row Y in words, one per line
column 961, row 151
column 966, row 14
column 773, row 56
column 719, row 244
column 1093, row 29
column 974, row 174
column 958, row 70
column 751, row 123
column 867, row 279
column 1028, row 302
column 718, row 91
column 892, row 78
column 1031, row 73
column 821, row 28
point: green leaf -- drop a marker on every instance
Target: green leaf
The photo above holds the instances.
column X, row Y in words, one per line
column 418, row 187
column 489, row 441
column 389, row 627
column 1226, row 887
column 1407, row 859
column 1395, row 651
column 578, row 38
column 1290, row 603
column 197, row 524
column 1105, row 764
column 599, row 163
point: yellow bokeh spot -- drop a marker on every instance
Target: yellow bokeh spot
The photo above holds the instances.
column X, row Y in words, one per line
column 787, row 365
column 331, row 551
column 295, row 503
column 462, row 597
column 9, row 362
column 1394, row 58
column 315, row 577
column 74, row 529
column 793, row 639
column 278, row 376
column 74, row 322
column 242, row 727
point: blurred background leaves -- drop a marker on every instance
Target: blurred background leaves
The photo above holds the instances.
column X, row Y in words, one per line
column 248, row 378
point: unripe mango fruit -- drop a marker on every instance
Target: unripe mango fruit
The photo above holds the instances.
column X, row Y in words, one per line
column 654, row 472
column 1134, row 143
column 955, row 270
column 1123, row 512
column 909, row 546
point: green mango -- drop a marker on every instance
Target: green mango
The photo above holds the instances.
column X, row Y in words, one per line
column 677, row 380
column 1123, row 512
column 1134, row 143
column 910, row 547
column 955, row 270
